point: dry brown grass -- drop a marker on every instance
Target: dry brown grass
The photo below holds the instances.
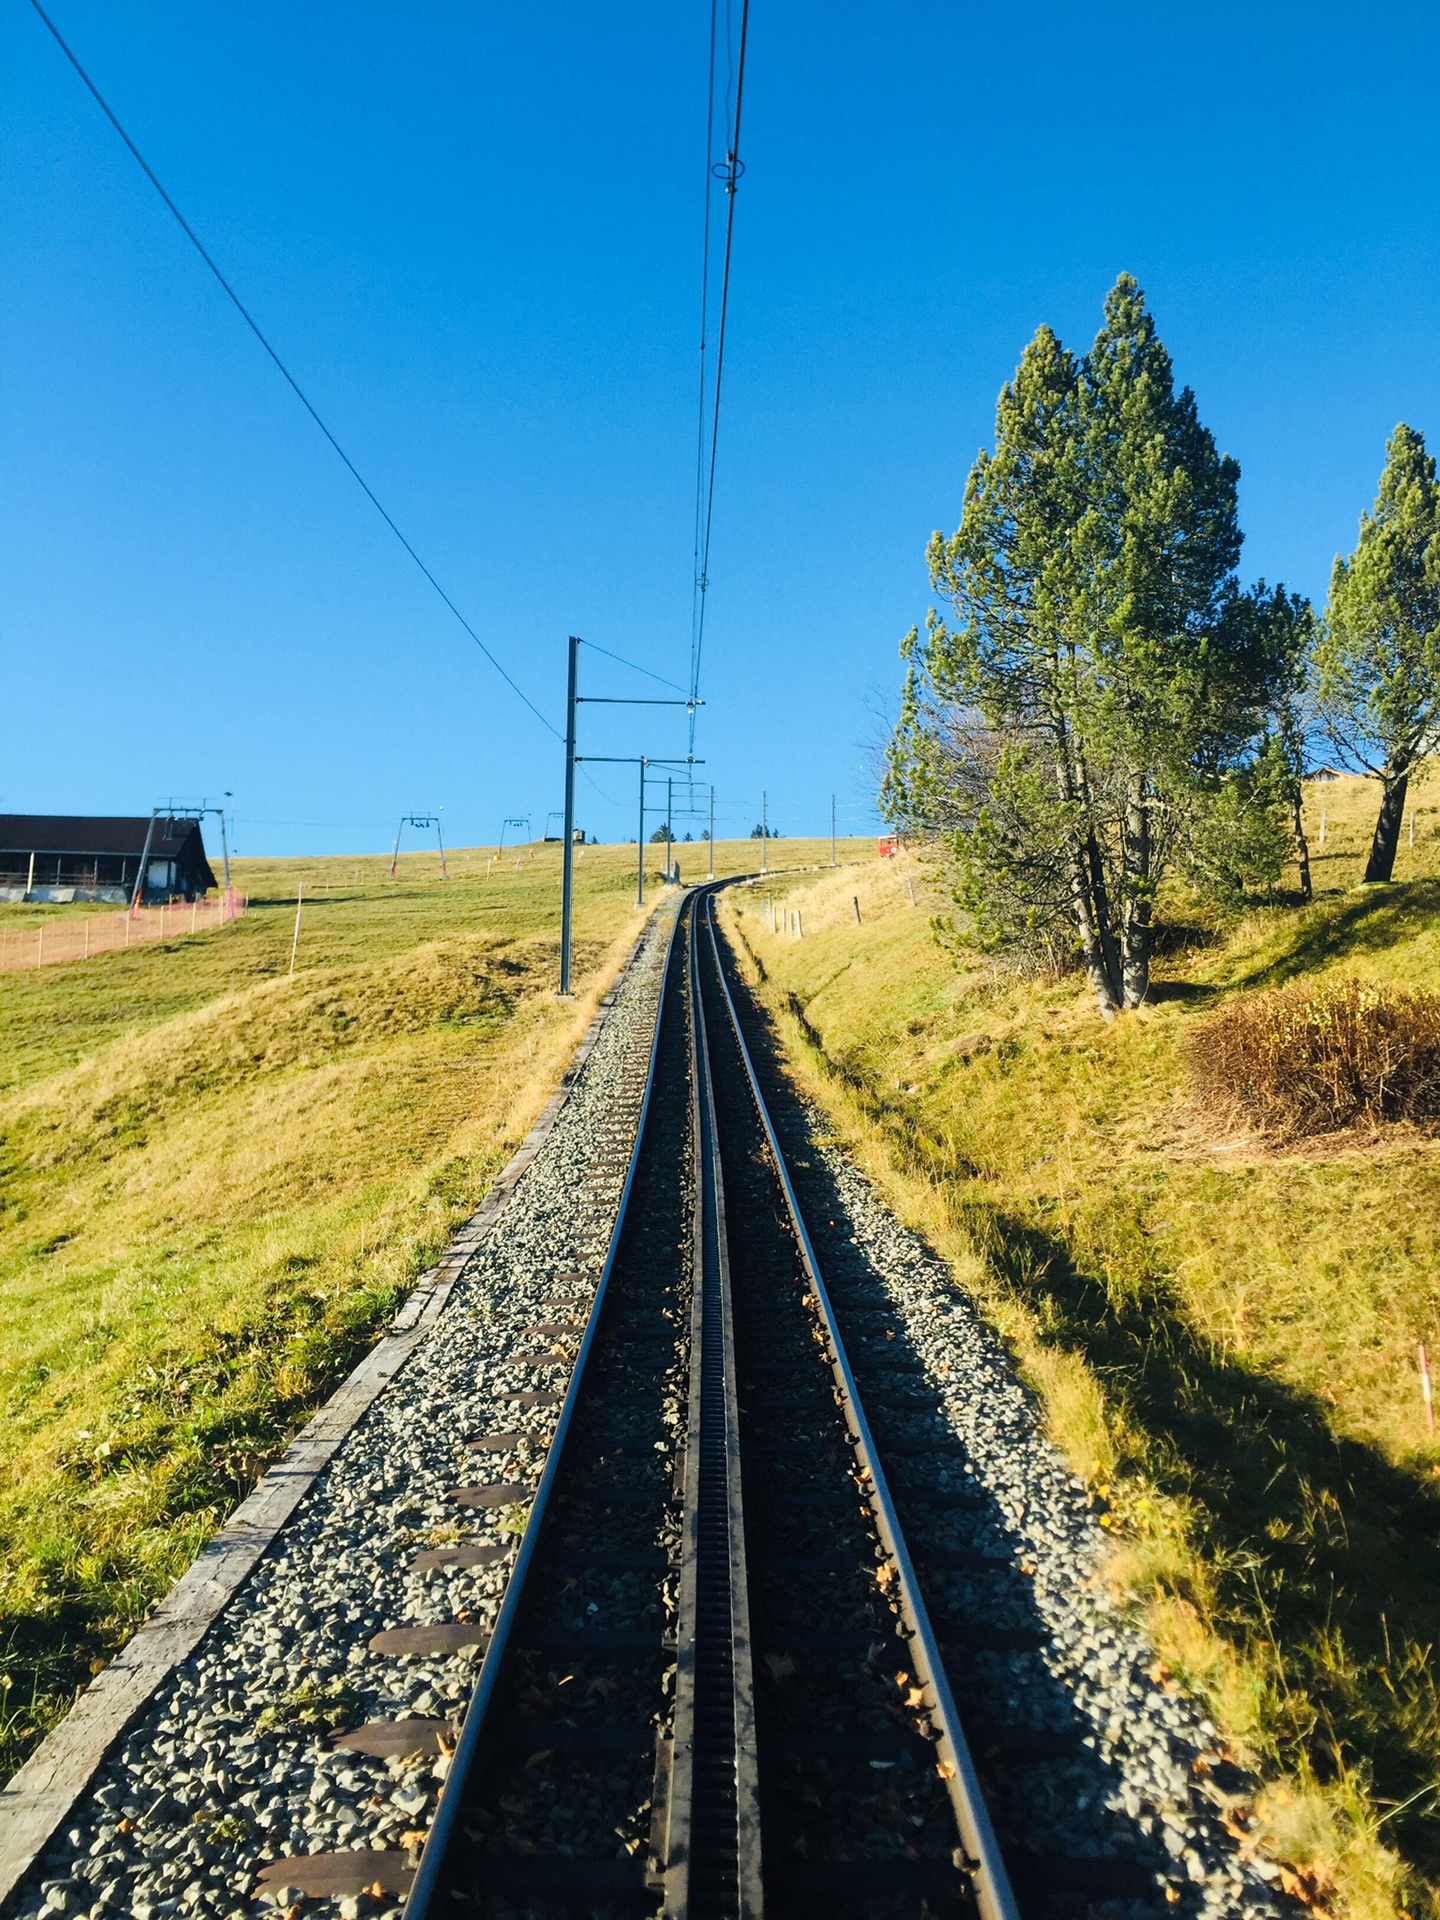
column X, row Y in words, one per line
column 1313, row 1060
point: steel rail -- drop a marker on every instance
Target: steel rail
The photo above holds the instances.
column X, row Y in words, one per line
column 993, row 1892
column 712, row 1855
column 428, row 1879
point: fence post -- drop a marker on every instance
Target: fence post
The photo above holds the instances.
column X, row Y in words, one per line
column 295, row 941
column 855, row 902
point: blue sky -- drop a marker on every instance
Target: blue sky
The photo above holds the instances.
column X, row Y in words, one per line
column 473, row 231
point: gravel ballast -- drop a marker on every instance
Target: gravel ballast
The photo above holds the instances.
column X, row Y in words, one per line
column 231, row 1766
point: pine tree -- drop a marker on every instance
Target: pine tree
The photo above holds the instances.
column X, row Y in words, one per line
column 1104, row 680
column 1378, row 659
column 1293, row 636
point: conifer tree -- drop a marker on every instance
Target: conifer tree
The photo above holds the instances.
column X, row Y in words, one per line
column 1103, row 677
column 1378, row 659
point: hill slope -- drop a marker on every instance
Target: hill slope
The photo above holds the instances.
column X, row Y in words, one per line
column 1223, row 1336
column 218, row 1181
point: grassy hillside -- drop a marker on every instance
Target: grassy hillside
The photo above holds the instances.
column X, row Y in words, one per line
column 1224, row 1336
column 218, row 1181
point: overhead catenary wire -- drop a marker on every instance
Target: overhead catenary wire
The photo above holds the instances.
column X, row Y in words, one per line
column 284, row 371
column 634, row 667
column 708, row 438
column 697, row 588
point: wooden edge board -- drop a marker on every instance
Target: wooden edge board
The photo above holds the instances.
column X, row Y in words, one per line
column 38, row 1797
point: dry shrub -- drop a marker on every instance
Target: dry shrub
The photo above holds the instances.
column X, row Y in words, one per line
column 1309, row 1060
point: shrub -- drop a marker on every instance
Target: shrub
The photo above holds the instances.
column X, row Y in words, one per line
column 1302, row 1061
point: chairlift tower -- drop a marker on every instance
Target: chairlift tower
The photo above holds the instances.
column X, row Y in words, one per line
column 422, row 821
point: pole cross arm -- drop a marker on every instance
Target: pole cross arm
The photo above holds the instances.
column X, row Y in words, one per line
column 573, row 700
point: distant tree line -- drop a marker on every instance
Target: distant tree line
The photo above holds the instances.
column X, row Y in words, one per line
column 1104, row 703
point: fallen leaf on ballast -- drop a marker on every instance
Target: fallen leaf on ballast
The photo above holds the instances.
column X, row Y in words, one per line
column 1304, row 1886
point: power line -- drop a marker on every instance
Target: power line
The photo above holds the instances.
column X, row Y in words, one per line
column 289, row 377
column 697, row 589
column 620, row 659
column 730, row 171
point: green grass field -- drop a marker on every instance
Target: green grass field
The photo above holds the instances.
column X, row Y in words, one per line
column 1224, row 1336
column 219, row 1182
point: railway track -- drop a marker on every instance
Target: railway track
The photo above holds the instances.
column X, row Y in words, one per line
column 755, row 1625
column 770, row 1725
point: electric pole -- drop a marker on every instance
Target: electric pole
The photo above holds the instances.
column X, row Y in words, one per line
column 712, row 831
column 574, row 699
column 567, row 866
column 640, row 867
column 140, row 877
column 225, row 843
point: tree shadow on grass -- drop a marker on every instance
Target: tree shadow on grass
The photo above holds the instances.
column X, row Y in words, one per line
column 1326, row 1555
column 1193, row 992
column 1368, row 921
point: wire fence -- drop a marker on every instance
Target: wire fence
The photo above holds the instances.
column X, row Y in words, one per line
column 22, row 947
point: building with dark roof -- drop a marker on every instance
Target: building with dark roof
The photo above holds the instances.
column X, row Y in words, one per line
column 46, row 856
